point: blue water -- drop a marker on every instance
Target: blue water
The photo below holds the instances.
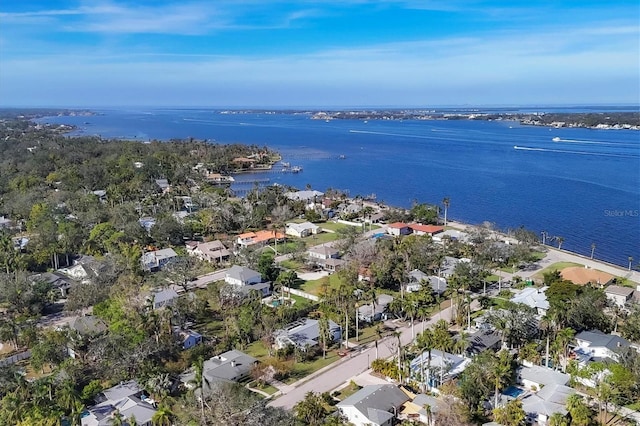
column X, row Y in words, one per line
column 585, row 187
column 513, row 391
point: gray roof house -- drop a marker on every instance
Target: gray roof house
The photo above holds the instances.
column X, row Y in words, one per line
column 244, row 280
column 57, row 280
column 165, row 297
column 536, row 376
column 88, row 325
column 128, row 399
column 308, row 196
column 376, row 312
column 304, row 332
column 301, row 230
column 231, row 366
column 155, row 260
column 375, row 405
column 483, row 340
column 596, row 345
column 212, row 251
column 540, row 406
column 323, row 252
column 618, row 294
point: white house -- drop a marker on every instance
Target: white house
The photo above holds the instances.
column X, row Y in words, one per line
column 551, row 399
column 162, row 298
column 231, row 366
column 304, row 332
column 301, row 230
column 536, row 377
column 155, row 260
column 619, row 295
column 376, row 311
column 398, row 228
column 128, row 399
column 373, row 405
column 596, row 344
column 323, row 252
column 534, row 298
column 440, row 368
column 240, row 275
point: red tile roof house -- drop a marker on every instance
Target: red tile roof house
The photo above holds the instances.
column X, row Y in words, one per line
column 430, row 230
column 398, row 228
column 261, row 238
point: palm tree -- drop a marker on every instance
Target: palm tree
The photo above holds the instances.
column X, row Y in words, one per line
column 427, row 409
column 323, row 325
column 426, row 341
column 563, row 338
column 630, row 261
column 501, row 372
column 446, row 202
column 68, row 397
column 162, row 417
column 557, row 419
column 560, row 241
column 200, row 380
column 593, row 249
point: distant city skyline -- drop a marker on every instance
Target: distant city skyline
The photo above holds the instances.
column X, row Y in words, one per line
column 332, row 53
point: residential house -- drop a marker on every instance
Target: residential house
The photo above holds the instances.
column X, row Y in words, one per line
column 323, row 252
column 147, row 223
column 596, row 345
column 326, row 257
column 301, row 230
column 57, row 280
column 163, row 184
column 310, row 197
column 534, row 298
column 398, row 228
column 304, row 332
column 551, row 399
column 87, row 328
column 128, row 399
column 451, row 234
column 231, row 366
column 619, row 295
column 415, row 408
column 155, row 260
column 212, row 251
column 431, row 230
column 244, row 279
column 187, row 338
column 162, row 298
column 483, row 340
column 85, row 269
column 371, row 312
column 417, row 278
column 373, row 405
column 259, row 238
column 535, row 377
column 439, row 369
column 448, row 266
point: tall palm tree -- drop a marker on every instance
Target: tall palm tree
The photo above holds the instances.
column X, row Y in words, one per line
column 446, row 202
column 593, row 249
column 426, row 341
column 563, row 338
column 630, row 261
column 560, row 241
column 501, row 373
column 67, row 395
column 200, row 380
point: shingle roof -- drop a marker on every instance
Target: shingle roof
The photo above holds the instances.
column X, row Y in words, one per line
column 376, row 402
column 597, row 338
column 543, row 375
column 242, row 273
column 619, row 290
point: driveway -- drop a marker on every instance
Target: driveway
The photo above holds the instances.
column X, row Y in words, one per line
column 333, row 376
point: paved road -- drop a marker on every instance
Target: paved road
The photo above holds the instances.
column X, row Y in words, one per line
column 331, row 378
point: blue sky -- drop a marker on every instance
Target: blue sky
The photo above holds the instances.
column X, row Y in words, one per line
column 318, row 53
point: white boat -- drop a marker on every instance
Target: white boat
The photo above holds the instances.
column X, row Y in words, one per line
column 556, row 139
column 296, row 169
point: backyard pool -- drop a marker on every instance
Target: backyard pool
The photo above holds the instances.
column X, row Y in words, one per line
column 513, row 391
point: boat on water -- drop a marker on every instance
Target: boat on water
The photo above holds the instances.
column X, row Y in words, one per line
column 296, row 169
column 556, row 139
column 342, row 157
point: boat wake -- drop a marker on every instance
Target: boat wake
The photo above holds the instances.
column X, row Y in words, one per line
column 588, row 142
column 562, row 151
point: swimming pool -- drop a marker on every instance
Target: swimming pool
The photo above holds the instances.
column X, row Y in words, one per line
column 513, row 391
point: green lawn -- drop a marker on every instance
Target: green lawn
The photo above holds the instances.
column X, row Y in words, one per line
column 321, row 238
column 332, row 226
column 265, row 388
column 558, row 266
column 314, row 286
column 346, row 392
column 292, row 264
column 257, row 350
column 300, row 370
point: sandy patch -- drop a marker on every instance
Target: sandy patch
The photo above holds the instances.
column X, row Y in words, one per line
column 581, row 275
